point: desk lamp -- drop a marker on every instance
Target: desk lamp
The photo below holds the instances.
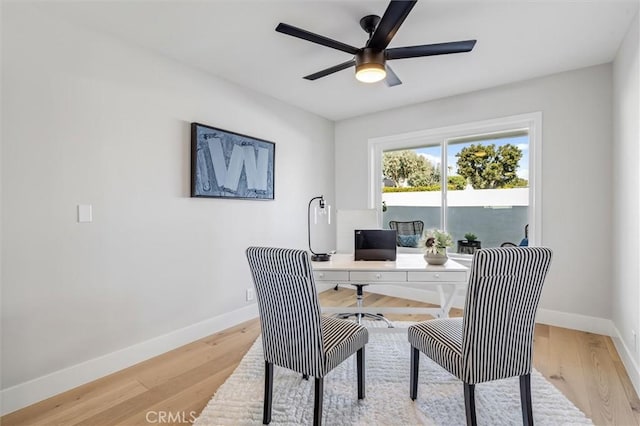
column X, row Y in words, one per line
column 322, row 210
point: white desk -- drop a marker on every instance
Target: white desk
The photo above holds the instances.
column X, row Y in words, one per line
column 408, row 268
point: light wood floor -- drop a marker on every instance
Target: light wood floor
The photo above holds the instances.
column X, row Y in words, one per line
column 584, row 366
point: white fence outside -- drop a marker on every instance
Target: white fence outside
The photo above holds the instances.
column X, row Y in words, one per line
column 494, row 215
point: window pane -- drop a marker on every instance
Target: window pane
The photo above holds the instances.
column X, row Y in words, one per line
column 491, row 197
column 487, row 188
column 412, row 186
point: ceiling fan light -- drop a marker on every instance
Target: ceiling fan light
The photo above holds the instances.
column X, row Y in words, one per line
column 370, row 72
column 370, row 65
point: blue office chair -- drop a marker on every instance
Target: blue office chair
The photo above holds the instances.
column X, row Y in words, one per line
column 408, row 233
column 523, row 242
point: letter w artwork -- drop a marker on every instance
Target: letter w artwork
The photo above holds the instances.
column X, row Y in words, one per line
column 226, row 164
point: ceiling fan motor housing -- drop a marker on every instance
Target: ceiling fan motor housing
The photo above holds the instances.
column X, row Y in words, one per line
column 369, row 56
column 370, row 66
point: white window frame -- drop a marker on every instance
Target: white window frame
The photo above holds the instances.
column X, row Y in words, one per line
column 531, row 122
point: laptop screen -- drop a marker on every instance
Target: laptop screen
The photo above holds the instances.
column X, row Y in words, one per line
column 375, row 244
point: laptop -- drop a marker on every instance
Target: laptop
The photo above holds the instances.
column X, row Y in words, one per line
column 375, row 244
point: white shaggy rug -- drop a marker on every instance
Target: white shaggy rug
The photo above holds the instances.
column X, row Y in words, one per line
column 440, row 396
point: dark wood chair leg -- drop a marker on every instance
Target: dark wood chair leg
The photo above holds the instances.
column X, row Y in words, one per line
column 470, row 404
column 317, row 404
column 268, row 392
column 360, row 367
column 413, row 381
column 525, row 399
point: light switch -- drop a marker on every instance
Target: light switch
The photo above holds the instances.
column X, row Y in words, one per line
column 84, row 213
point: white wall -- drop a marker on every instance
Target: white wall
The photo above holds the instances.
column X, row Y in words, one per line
column 88, row 119
column 576, row 151
column 626, row 193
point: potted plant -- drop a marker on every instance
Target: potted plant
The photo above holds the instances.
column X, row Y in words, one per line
column 470, row 236
column 470, row 244
column 435, row 243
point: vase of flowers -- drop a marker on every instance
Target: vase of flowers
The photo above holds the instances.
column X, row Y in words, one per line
column 435, row 243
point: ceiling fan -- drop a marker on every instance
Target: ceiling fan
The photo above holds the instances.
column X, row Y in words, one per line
column 371, row 60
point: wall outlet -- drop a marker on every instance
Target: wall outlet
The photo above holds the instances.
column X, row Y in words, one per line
column 250, row 294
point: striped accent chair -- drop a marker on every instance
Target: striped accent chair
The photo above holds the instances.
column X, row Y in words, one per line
column 294, row 334
column 494, row 338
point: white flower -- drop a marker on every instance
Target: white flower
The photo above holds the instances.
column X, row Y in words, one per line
column 436, row 241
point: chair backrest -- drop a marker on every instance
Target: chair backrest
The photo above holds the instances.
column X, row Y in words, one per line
column 500, row 308
column 289, row 308
column 413, row 227
column 409, row 233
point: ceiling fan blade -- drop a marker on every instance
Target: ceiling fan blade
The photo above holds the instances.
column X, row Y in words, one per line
column 430, row 49
column 393, row 17
column 331, row 70
column 315, row 38
column 392, row 79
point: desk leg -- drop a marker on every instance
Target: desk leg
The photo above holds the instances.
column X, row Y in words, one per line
column 443, row 302
column 446, row 299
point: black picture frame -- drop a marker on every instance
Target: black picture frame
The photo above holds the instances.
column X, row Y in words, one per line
column 227, row 164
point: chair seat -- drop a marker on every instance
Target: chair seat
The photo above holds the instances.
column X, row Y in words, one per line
column 440, row 340
column 341, row 339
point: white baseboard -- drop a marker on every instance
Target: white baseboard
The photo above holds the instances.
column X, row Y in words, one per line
column 544, row 316
column 27, row 393
column 575, row 321
column 320, row 287
column 626, row 355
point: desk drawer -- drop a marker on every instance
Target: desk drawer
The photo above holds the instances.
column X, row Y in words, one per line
column 377, row 276
column 445, row 276
column 331, row 275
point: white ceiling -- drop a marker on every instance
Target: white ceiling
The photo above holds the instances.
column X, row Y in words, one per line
column 235, row 40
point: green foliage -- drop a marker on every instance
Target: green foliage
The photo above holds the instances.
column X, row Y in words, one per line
column 456, row 182
column 469, row 236
column 487, row 167
column 407, row 167
column 428, row 176
column 519, row 183
column 411, row 188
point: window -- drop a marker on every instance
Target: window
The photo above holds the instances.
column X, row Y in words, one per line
column 490, row 169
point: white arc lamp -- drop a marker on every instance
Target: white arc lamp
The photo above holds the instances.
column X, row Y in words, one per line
column 322, row 210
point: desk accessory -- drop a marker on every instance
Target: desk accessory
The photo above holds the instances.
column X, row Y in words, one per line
column 375, row 244
column 321, row 210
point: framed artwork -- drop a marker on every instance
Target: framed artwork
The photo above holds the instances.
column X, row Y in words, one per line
column 226, row 164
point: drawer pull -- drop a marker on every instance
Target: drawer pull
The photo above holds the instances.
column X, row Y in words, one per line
column 437, row 275
column 378, row 276
column 321, row 274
